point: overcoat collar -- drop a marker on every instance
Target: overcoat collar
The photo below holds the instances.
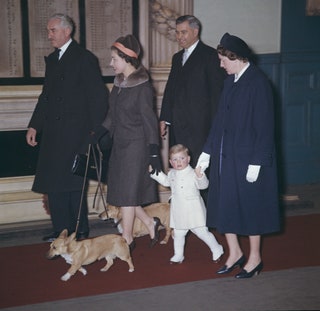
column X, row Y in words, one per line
column 138, row 77
column 246, row 78
column 66, row 55
column 194, row 53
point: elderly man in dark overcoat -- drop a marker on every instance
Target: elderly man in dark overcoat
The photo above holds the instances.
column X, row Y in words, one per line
column 193, row 88
column 74, row 100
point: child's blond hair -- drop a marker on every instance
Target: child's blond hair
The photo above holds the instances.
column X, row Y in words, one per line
column 178, row 148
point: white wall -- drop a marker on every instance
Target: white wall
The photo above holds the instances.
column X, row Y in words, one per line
column 258, row 22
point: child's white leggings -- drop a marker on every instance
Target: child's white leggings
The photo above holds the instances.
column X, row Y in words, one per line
column 203, row 234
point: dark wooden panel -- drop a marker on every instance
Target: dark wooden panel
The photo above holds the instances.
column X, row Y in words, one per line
column 300, row 95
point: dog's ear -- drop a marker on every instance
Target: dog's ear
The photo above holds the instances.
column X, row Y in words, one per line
column 118, row 209
column 72, row 236
column 63, row 234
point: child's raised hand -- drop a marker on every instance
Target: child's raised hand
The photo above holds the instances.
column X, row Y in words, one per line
column 203, row 161
column 197, row 170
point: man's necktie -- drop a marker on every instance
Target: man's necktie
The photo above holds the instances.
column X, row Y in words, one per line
column 57, row 52
column 185, row 56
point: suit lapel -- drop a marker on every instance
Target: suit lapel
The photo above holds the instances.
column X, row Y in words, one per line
column 194, row 56
column 69, row 53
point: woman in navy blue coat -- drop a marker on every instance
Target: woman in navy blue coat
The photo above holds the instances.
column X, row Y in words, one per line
column 243, row 191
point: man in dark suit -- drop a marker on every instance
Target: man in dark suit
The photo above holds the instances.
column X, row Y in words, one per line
column 74, row 101
column 193, row 88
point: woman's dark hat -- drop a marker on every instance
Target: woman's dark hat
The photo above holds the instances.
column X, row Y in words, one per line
column 236, row 45
column 129, row 45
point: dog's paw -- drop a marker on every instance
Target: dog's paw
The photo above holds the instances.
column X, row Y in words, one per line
column 104, row 269
column 83, row 271
column 66, row 277
column 103, row 216
column 131, row 270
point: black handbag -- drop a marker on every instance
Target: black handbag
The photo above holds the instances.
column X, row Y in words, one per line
column 92, row 165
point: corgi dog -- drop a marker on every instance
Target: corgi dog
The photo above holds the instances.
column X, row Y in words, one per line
column 160, row 210
column 84, row 252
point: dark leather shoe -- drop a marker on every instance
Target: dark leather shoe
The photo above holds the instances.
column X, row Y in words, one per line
column 82, row 235
column 239, row 263
column 155, row 239
column 244, row 274
column 50, row 238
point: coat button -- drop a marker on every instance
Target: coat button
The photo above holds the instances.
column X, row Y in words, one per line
column 57, row 118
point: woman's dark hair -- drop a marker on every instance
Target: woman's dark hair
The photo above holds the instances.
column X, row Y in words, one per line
column 231, row 55
column 135, row 62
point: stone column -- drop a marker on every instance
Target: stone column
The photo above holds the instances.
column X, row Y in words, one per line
column 159, row 34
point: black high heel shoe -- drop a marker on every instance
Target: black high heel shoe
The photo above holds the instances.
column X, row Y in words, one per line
column 155, row 239
column 244, row 274
column 239, row 263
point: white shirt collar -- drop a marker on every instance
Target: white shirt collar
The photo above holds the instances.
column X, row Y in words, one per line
column 192, row 47
column 64, row 48
column 238, row 76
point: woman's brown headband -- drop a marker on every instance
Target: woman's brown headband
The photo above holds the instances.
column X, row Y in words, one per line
column 125, row 50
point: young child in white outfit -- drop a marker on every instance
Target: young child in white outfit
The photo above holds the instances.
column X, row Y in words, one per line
column 187, row 211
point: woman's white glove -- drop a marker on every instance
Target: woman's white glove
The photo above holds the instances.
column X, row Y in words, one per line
column 203, row 161
column 253, row 173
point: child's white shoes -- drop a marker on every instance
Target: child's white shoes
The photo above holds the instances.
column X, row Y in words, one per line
column 217, row 254
column 176, row 259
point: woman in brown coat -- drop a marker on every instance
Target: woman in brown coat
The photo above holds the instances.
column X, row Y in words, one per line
column 132, row 123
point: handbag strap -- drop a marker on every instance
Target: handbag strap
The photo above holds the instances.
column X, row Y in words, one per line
column 99, row 186
column 83, row 188
column 99, row 173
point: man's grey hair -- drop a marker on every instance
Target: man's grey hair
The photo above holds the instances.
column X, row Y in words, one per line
column 192, row 20
column 65, row 21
